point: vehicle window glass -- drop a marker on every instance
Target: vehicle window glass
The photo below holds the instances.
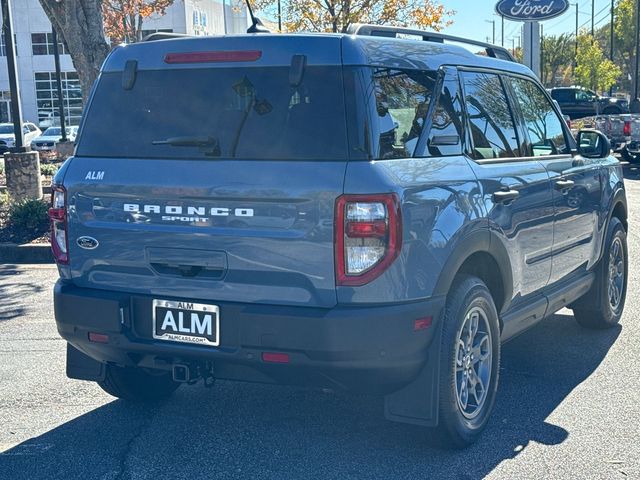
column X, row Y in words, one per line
column 445, row 135
column 585, row 96
column 542, row 122
column 245, row 113
column 402, row 103
column 490, row 118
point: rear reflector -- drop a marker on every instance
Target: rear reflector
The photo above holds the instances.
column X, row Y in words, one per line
column 98, row 337
column 273, row 357
column 205, row 57
column 627, row 128
column 422, row 323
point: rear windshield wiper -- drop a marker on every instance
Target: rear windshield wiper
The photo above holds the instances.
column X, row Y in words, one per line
column 188, row 142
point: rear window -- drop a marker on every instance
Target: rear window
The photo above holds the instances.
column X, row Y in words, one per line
column 245, row 113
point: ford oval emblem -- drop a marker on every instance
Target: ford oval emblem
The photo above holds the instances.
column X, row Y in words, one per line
column 88, row 243
column 531, row 10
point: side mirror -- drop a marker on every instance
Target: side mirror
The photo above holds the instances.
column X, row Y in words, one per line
column 593, row 144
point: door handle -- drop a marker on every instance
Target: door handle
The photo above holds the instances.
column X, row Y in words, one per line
column 564, row 184
column 505, row 196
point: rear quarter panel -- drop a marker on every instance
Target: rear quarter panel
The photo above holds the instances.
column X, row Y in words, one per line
column 441, row 207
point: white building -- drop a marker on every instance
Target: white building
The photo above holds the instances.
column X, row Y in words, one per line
column 34, row 48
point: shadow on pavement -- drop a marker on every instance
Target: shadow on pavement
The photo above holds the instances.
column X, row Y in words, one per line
column 259, row 431
column 13, row 293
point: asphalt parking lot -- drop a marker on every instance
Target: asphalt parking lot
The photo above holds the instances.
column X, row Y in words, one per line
column 568, row 407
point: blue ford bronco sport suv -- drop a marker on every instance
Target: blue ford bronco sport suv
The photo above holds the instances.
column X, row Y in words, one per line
column 353, row 211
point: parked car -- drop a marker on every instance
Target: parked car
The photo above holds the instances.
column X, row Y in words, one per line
column 265, row 225
column 8, row 139
column 578, row 102
column 52, row 135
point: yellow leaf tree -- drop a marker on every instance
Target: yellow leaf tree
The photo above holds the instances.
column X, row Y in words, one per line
column 338, row 15
column 593, row 69
column 123, row 18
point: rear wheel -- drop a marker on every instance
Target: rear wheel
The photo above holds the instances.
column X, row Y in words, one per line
column 137, row 384
column 602, row 307
column 469, row 363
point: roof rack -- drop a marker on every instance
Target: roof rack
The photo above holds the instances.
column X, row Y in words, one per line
column 394, row 32
column 164, row 36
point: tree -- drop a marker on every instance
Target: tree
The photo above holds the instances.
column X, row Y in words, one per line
column 558, row 57
column 338, row 15
column 624, row 38
column 593, row 69
column 79, row 24
column 123, row 18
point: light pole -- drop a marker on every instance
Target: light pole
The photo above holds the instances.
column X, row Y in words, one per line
column 16, row 108
column 502, row 35
column 56, row 58
column 279, row 16
column 611, row 40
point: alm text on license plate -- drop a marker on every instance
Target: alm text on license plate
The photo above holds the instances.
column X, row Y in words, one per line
column 186, row 322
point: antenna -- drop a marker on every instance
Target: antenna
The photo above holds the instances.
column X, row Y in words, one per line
column 256, row 24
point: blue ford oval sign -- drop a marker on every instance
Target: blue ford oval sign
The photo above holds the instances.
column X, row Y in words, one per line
column 531, row 10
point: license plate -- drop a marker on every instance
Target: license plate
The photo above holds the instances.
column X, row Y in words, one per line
column 186, row 322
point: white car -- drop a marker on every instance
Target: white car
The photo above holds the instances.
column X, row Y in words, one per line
column 52, row 135
column 8, row 139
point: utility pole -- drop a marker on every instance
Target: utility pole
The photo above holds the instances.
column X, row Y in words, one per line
column 593, row 18
column 611, row 40
column 635, row 103
column 56, row 57
column 575, row 58
column 493, row 22
column 279, row 16
column 502, row 39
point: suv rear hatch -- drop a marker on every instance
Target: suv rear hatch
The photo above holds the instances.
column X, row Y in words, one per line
column 209, row 169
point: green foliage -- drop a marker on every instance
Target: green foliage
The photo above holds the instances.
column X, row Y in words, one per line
column 4, row 198
column 1, row 168
column 594, row 70
column 559, row 55
column 49, row 169
column 29, row 215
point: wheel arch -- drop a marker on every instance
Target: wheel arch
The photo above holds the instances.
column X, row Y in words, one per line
column 486, row 258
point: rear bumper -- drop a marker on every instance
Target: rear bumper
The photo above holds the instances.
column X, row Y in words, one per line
column 364, row 348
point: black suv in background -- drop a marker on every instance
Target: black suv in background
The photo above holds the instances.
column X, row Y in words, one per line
column 578, row 102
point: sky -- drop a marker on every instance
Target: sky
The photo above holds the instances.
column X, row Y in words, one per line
column 472, row 19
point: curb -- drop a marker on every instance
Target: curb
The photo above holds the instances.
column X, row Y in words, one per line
column 27, row 253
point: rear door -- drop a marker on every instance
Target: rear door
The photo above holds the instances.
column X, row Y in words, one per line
column 211, row 181
column 515, row 186
column 575, row 180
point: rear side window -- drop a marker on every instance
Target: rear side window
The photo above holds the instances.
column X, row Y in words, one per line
column 246, row 113
column 563, row 96
column 445, row 135
column 543, row 124
column 490, row 118
column 402, row 103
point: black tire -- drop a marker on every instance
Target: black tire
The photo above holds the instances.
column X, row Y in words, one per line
column 459, row 426
column 137, row 385
column 602, row 307
column 628, row 156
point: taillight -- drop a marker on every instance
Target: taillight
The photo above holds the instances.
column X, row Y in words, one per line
column 368, row 236
column 627, row 128
column 58, row 217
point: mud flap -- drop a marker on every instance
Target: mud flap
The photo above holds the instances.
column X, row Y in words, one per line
column 83, row 367
column 417, row 403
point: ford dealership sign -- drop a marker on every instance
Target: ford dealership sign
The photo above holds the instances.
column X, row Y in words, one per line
column 531, row 10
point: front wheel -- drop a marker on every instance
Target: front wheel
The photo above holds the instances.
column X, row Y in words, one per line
column 469, row 363
column 602, row 306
